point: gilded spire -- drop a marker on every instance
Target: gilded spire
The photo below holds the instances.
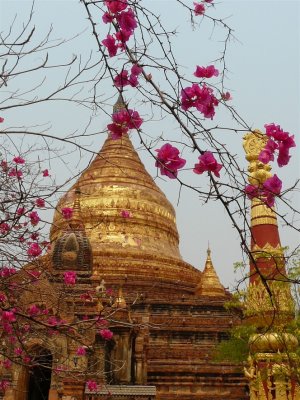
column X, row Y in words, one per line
column 210, row 284
column 267, row 254
column 76, row 222
column 253, row 144
column 120, row 104
column 265, row 241
column 268, row 303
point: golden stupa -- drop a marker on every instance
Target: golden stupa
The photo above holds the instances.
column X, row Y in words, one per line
column 142, row 246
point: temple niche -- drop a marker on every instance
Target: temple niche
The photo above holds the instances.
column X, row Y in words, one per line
column 166, row 315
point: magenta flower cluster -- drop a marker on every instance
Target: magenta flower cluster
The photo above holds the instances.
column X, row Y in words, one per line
column 168, row 160
column 267, row 192
column 207, row 162
column 124, row 79
column 278, row 140
column 119, row 13
column 200, row 97
column 199, row 8
column 123, row 121
column 70, row 277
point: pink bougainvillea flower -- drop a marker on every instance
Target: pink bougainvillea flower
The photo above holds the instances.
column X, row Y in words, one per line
column 6, row 272
column 34, row 236
column 33, row 310
column 122, row 79
column 199, row 9
column 134, row 120
column 136, row 70
column 226, row 96
column 53, row 321
column 110, row 44
column 14, row 172
column 107, row 18
column 168, row 161
column 124, row 120
column 106, row 334
column 276, row 132
column 8, row 316
column 133, row 80
column 206, row 72
column 270, row 188
column 116, row 6
column 40, row 202
column 4, row 228
column 18, row 351
column 190, row 96
column 127, row 20
column 45, row 173
column 284, row 149
column 267, row 154
column 273, row 185
column 34, row 218
column 19, row 160
column 70, row 277
column 252, row 191
column 4, row 384
column 81, row 351
column 117, row 131
column 4, row 165
column 1, row 120
column 34, row 250
column 280, row 140
column 269, row 200
column 283, row 156
column 123, row 36
column 7, row 364
column 207, row 162
column 21, row 211
column 67, row 212
column 125, row 214
column 92, row 385
column 200, row 97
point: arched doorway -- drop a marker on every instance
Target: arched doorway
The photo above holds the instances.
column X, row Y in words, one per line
column 40, row 375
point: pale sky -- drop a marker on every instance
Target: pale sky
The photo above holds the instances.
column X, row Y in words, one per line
column 264, row 81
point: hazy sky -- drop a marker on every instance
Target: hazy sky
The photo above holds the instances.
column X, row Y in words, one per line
column 264, row 79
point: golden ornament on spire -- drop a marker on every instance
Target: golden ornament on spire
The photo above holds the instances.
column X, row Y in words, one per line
column 253, row 144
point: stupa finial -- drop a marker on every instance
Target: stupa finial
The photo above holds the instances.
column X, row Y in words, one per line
column 76, row 221
column 208, row 251
column 120, row 104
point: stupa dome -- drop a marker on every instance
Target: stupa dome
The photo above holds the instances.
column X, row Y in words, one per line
column 146, row 242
